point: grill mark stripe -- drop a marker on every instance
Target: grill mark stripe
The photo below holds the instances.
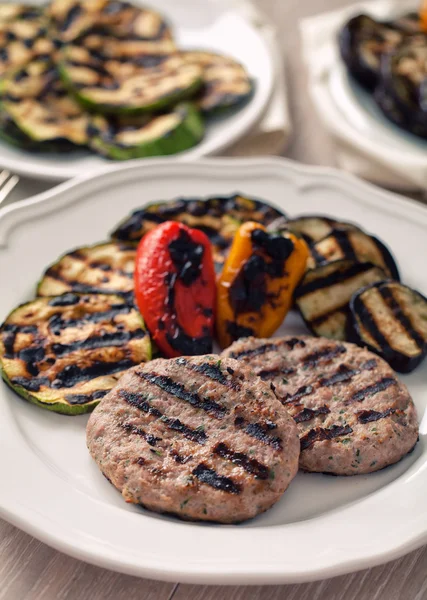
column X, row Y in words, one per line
column 117, row 338
column 219, row 482
column 311, row 360
column 291, row 343
column 212, row 371
column 138, row 401
column 271, row 373
column 370, row 323
column 369, row 416
column 73, row 374
column 373, row 389
column 173, row 388
column 257, row 431
column 303, row 391
column 342, row 375
column 398, row 313
column 250, row 465
column 149, row 438
column 323, row 318
column 344, row 242
column 84, row 398
column 321, row 434
column 56, row 322
column 308, row 414
column 338, row 276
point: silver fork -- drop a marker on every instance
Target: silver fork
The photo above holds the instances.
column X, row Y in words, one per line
column 7, row 183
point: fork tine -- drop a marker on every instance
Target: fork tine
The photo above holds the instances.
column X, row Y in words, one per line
column 7, row 185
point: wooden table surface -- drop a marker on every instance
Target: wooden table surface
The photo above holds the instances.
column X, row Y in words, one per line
column 30, row 570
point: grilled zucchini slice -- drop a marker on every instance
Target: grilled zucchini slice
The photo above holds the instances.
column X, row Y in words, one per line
column 122, row 138
column 353, row 245
column 72, row 18
column 218, row 216
column 104, row 269
column 391, row 319
column 314, row 228
column 65, row 353
column 23, row 35
column 37, row 113
column 324, row 294
column 226, row 83
column 110, row 75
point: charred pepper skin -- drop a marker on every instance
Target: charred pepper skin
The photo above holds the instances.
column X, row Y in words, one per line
column 175, row 289
column 257, row 283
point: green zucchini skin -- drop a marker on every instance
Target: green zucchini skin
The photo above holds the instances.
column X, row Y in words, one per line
column 100, row 269
column 36, row 112
column 323, row 296
column 64, row 353
column 218, row 216
column 116, row 77
column 391, row 320
column 172, row 132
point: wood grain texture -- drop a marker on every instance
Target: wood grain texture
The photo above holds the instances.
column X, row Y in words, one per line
column 30, row 570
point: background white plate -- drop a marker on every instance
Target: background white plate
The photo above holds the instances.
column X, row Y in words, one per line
column 210, row 25
column 323, row 525
column 348, row 111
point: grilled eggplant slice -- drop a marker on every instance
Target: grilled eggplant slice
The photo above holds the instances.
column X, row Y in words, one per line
column 402, row 94
column 110, row 75
column 65, row 353
column 353, row 245
column 363, row 41
column 314, row 228
column 391, row 319
column 324, row 294
column 101, row 269
column 23, row 35
column 226, row 83
column 219, row 217
column 72, row 18
column 36, row 111
column 122, row 138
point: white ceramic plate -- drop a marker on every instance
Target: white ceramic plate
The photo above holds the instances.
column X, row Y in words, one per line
column 323, row 525
column 216, row 27
column 349, row 112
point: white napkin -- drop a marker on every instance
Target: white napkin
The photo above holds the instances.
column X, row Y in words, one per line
column 272, row 132
column 319, row 47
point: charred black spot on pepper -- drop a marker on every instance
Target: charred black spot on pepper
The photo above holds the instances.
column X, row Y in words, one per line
column 187, row 257
column 237, row 331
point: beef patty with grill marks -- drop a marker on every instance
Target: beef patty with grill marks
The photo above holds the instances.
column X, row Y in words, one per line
column 353, row 414
column 199, row 437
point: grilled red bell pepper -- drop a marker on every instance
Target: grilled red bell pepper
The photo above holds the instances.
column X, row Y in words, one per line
column 175, row 288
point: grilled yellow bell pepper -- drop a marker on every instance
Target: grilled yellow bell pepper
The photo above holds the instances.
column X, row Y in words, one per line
column 256, row 285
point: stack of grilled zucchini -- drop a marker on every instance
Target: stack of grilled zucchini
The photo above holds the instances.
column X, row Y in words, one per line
column 107, row 75
column 389, row 60
column 352, row 291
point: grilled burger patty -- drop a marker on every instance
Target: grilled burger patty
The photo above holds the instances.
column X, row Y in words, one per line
column 196, row 436
column 353, row 414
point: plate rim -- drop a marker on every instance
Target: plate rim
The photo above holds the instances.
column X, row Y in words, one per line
column 44, row 527
column 256, row 108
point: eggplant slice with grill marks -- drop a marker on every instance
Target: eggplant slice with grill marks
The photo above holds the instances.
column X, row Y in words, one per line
column 324, row 294
column 218, row 216
column 37, row 113
column 127, row 77
column 402, row 95
column 226, row 83
column 72, row 18
column 363, row 41
column 391, row 319
column 64, row 353
column 122, row 138
column 314, row 228
column 23, row 35
column 101, row 269
column 353, row 245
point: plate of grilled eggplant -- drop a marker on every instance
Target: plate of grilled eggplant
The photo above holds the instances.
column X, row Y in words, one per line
column 244, row 329
column 86, row 83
